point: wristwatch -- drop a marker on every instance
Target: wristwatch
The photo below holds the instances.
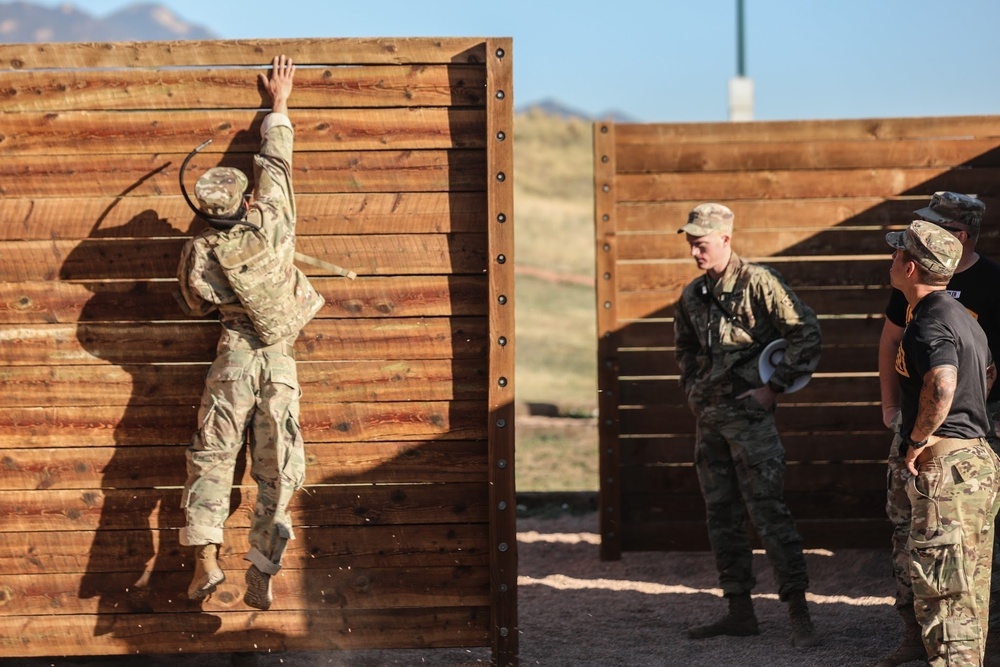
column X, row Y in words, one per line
column 913, row 443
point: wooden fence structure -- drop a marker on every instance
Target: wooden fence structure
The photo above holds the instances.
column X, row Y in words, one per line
column 403, row 173
column 812, row 199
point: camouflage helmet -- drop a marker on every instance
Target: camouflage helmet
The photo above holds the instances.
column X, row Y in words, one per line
column 220, row 190
column 930, row 246
column 707, row 218
column 946, row 207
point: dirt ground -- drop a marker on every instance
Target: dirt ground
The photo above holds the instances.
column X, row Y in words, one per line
column 575, row 610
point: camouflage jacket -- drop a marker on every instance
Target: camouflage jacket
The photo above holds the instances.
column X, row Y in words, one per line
column 203, row 284
column 717, row 355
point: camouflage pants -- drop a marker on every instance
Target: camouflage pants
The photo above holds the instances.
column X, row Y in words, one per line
column 898, row 510
column 741, row 470
column 253, row 391
column 954, row 502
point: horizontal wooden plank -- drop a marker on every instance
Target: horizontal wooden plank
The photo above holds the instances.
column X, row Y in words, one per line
column 788, row 184
column 762, row 243
column 373, row 86
column 98, row 553
column 150, row 301
column 830, row 301
column 319, row 505
column 145, row 259
column 841, row 332
column 673, row 418
column 84, row 133
column 821, row 389
column 321, row 629
column 340, row 588
column 113, row 175
column 965, row 152
column 251, row 52
column 322, row 340
column 812, row 447
column 861, row 270
column 168, row 215
column 849, row 210
column 146, row 421
column 806, row 131
column 434, row 462
column 820, row 534
column 799, row 478
column 847, row 503
column 637, row 364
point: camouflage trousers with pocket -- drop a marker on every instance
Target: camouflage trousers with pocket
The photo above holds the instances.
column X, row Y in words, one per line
column 954, row 503
column 897, row 508
column 251, row 392
column 741, row 469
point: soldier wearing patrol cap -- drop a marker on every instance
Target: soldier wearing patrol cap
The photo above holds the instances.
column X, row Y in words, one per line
column 945, row 370
column 242, row 266
column 724, row 320
column 974, row 283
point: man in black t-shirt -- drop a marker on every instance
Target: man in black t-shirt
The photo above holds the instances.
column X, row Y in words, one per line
column 975, row 284
column 945, row 371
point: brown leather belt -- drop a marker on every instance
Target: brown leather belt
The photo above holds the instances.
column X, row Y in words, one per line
column 946, row 446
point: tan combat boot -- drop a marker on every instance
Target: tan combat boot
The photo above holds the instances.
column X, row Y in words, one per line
column 803, row 632
column 912, row 645
column 207, row 573
column 739, row 622
column 258, row 593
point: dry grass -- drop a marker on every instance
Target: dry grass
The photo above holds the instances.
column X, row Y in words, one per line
column 555, row 319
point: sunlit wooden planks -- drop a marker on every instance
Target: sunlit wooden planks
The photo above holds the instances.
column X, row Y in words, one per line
column 144, row 421
column 140, row 509
column 394, row 179
column 316, row 87
column 380, row 546
column 257, row 52
column 167, row 215
column 121, row 467
column 169, row 131
column 110, row 175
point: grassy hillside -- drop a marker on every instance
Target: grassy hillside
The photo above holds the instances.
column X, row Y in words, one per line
column 554, row 286
column 554, row 255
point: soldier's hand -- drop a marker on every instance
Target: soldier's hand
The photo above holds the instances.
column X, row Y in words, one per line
column 278, row 82
column 763, row 395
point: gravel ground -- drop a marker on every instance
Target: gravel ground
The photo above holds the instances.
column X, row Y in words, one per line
column 575, row 610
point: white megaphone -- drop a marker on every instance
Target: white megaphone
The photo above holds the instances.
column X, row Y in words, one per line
column 770, row 358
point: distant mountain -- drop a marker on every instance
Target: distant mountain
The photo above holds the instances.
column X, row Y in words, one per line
column 22, row 22
column 554, row 107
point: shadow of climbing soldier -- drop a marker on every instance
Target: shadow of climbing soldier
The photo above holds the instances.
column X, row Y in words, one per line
column 242, row 266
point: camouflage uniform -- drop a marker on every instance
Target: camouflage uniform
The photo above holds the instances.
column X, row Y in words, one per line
column 252, row 383
column 953, row 499
column 739, row 456
column 975, row 289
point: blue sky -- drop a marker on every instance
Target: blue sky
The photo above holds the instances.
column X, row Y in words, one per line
column 671, row 60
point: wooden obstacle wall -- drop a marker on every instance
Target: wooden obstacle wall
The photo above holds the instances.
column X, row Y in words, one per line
column 403, row 173
column 813, row 199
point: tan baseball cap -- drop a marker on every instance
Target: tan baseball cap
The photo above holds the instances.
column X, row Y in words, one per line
column 707, row 218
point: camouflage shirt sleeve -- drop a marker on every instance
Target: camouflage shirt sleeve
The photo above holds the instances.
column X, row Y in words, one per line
column 273, row 173
column 793, row 320
column 686, row 344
